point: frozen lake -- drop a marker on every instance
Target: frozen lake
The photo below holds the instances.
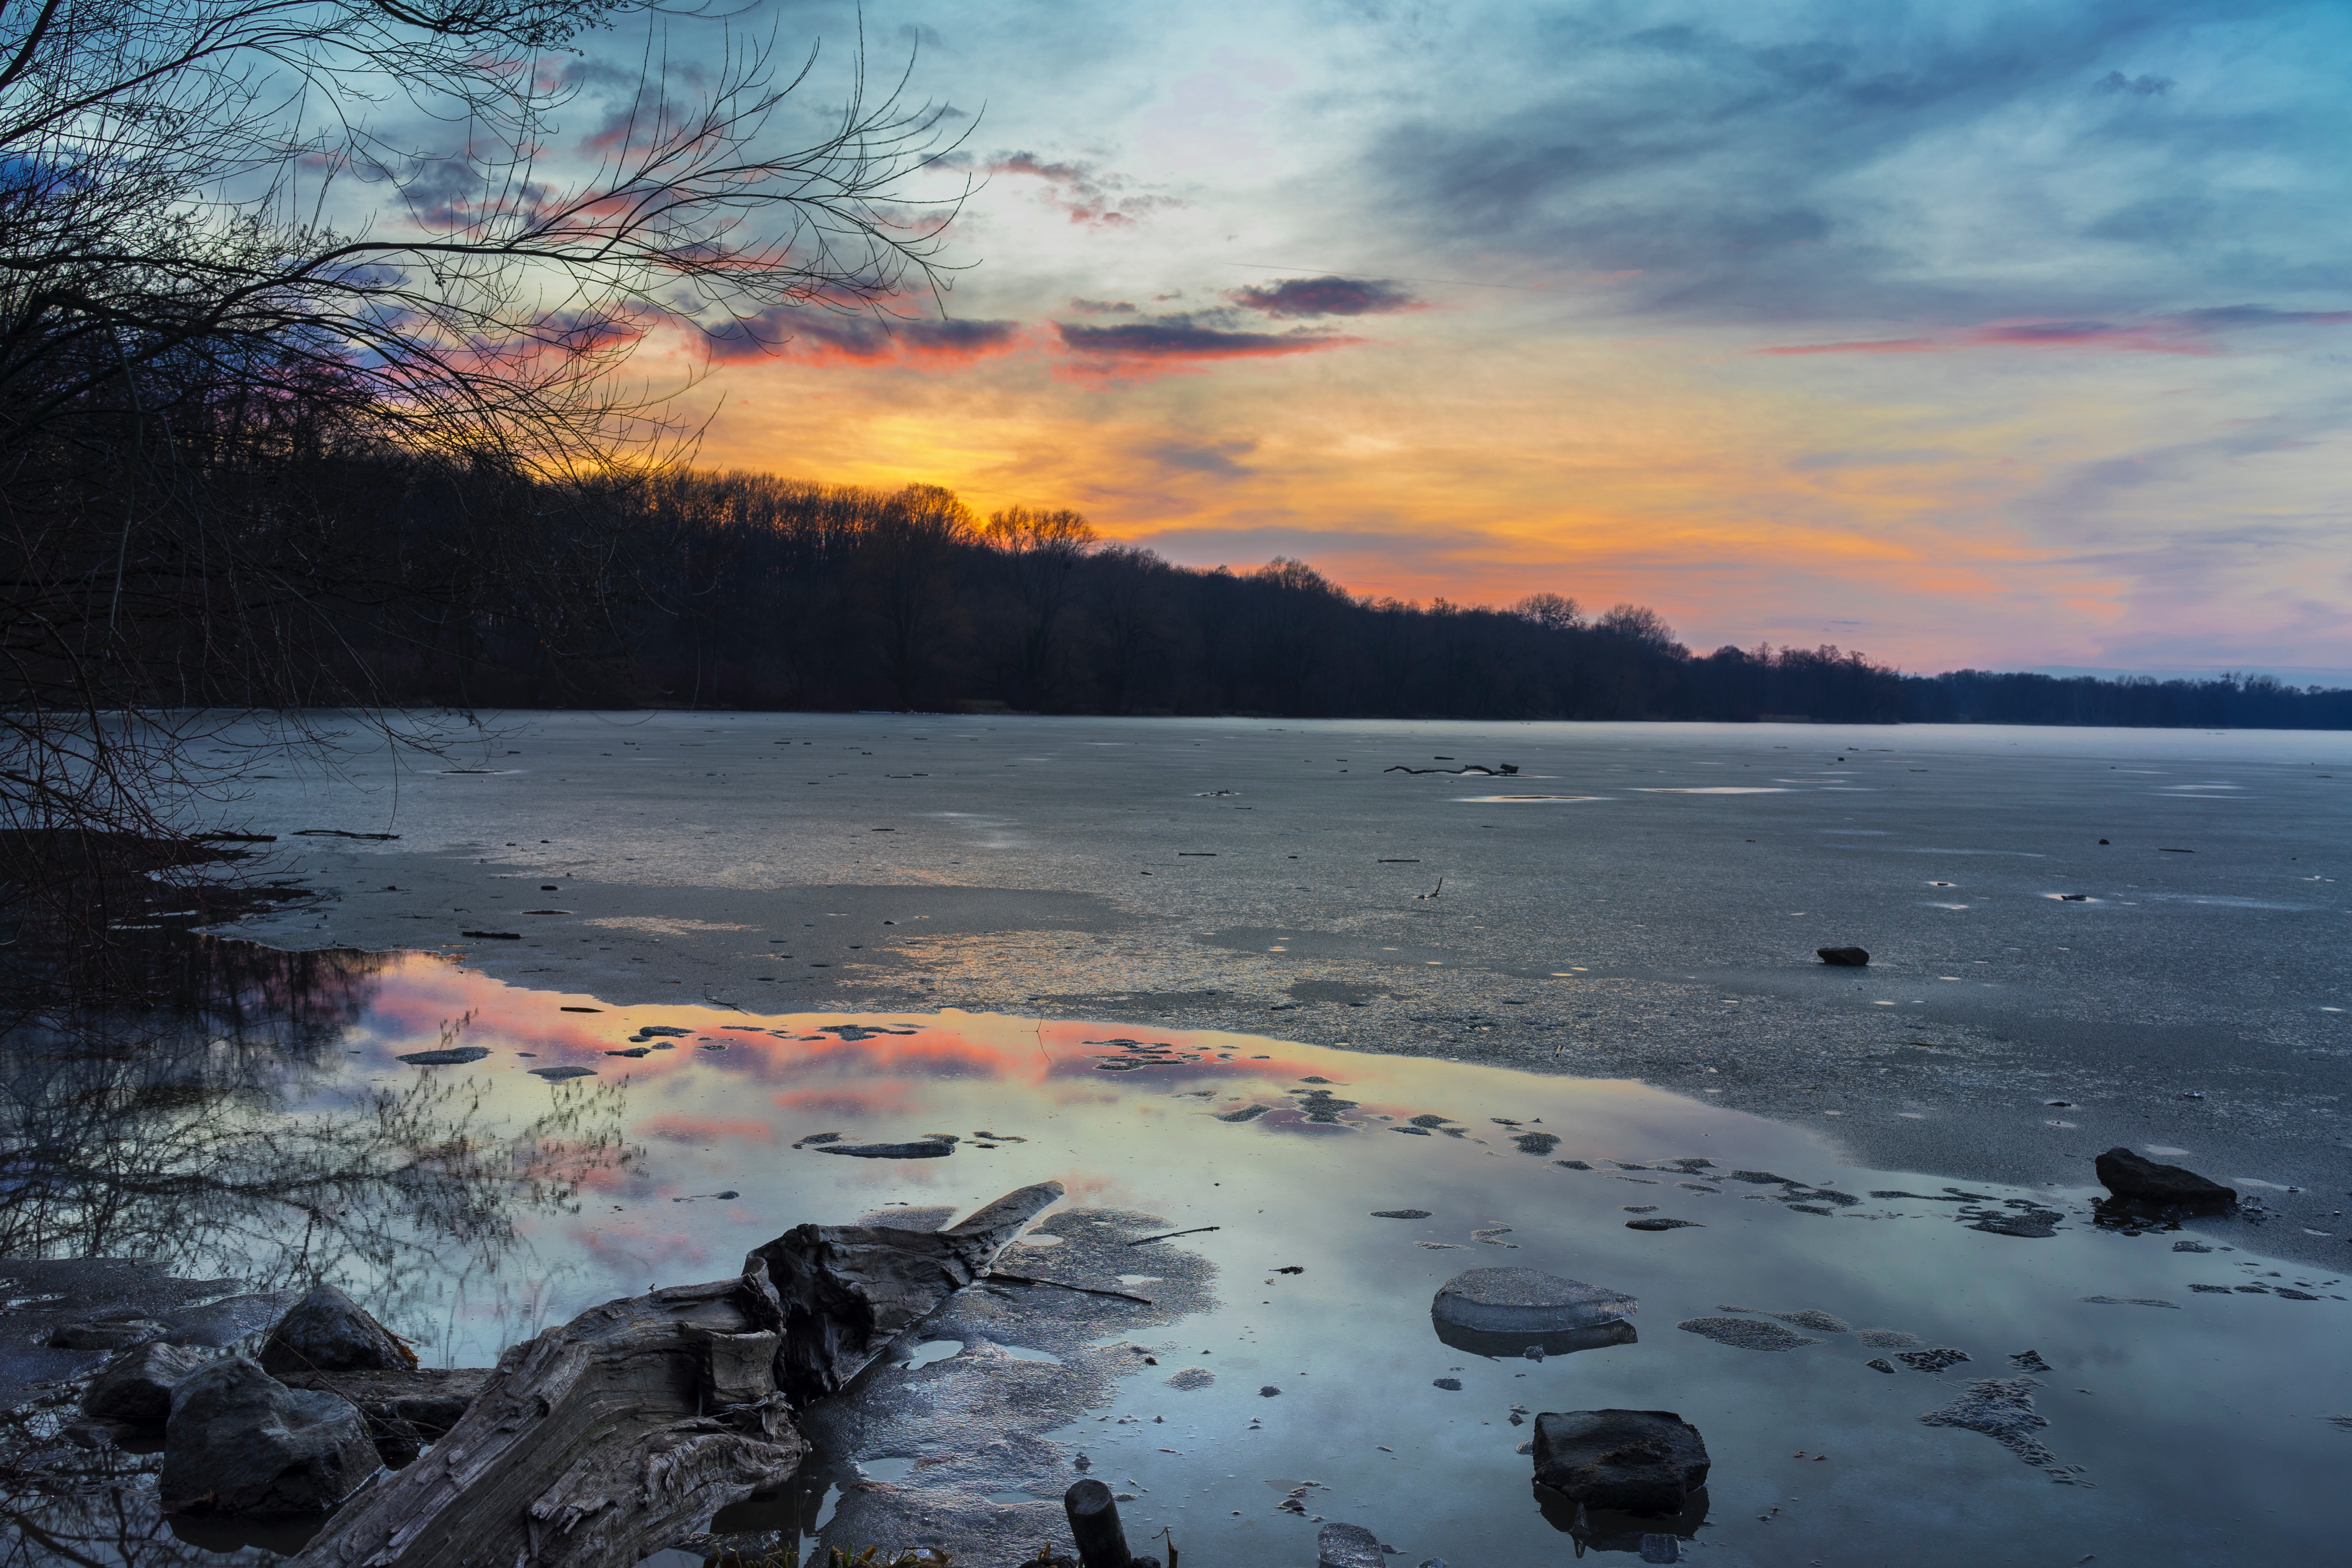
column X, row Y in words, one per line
column 1255, row 981
column 1637, row 901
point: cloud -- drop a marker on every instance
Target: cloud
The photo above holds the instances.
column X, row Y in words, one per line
column 1841, row 162
column 1295, row 297
column 2182, row 332
column 1090, row 197
column 1103, row 307
column 816, row 336
column 1166, row 345
column 1215, row 458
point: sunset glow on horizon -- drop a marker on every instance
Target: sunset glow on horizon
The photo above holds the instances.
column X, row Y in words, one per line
column 1994, row 335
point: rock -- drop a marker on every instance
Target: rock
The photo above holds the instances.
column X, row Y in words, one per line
column 239, row 1441
column 2029, row 1360
column 1932, row 1361
column 1844, row 957
column 1645, row 1462
column 109, row 1334
column 326, row 1330
column 1512, row 1311
column 557, row 1075
column 135, row 1389
column 1190, row 1377
column 1525, row 1299
column 1269, row 1392
column 926, row 1148
column 1665, row 1224
column 1813, row 1318
column 1400, row 1214
column 1341, row 1545
column 2141, row 1180
column 1537, row 1143
column 1886, row 1338
column 455, row 1056
column 1880, row 1363
column 1451, row 1385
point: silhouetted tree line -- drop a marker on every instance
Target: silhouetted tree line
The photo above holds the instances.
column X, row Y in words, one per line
column 747, row 591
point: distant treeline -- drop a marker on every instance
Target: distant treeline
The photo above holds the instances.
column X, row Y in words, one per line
column 2221, row 701
column 751, row 592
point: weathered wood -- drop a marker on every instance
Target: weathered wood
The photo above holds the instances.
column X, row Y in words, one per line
column 1094, row 1524
column 593, row 1445
column 403, row 1410
column 606, row 1439
column 847, row 1290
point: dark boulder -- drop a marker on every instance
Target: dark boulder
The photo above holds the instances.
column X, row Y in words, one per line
column 135, row 1389
column 1645, row 1462
column 2141, row 1180
column 239, row 1441
column 326, row 1330
column 1844, row 957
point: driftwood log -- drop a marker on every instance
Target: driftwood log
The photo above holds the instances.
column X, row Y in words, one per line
column 848, row 1291
column 604, row 1440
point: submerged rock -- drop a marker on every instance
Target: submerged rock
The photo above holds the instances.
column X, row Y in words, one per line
column 457, row 1055
column 1746, row 1333
column 2002, row 1409
column 557, row 1075
column 326, row 1330
column 2143, row 1180
column 1341, row 1545
column 1844, row 957
column 931, row 1147
column 239, row 1441
column 107, row 1334
column 135, row 1389
column 1645, row 1462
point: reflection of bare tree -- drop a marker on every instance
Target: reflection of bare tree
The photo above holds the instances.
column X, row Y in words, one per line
column 214, row 1134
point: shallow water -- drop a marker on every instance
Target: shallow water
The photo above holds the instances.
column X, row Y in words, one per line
column 473, row 1203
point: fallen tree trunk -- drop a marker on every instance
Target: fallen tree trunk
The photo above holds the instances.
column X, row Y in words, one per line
column 847, row 1290
column 593, row 1445
column 606, row 1439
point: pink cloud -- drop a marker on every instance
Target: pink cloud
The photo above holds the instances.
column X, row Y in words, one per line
column 2183, row 332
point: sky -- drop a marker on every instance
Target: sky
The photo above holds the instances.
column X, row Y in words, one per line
column 1968, row 333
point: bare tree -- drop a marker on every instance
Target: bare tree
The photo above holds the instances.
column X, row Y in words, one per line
column 238, row 272
column 1040, row 551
